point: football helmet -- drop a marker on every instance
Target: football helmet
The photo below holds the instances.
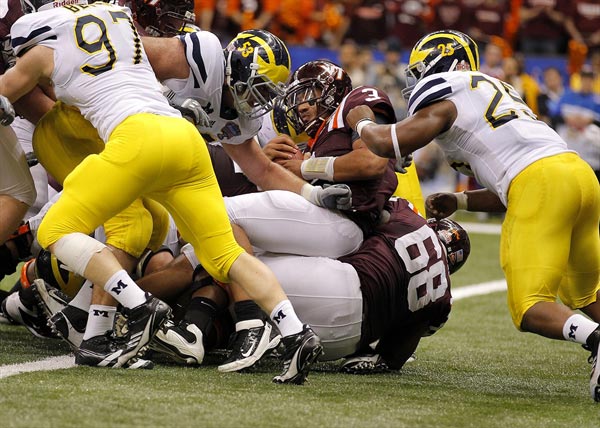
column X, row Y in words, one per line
column 31, row 6
column 438, row 52
column 455, row 241
column 257, row 66
column 51, row 270
column 282, row 123
column 170, row 24
column 321, row 82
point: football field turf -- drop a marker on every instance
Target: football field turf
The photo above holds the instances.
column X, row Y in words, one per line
column 477, row 371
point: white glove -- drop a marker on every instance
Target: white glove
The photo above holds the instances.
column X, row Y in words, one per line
column 189, row 108
column 7, row 112
column 334, row 197
column 403, row 163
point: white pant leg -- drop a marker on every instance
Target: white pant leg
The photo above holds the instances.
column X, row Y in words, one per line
column 15, row 177
column 279, row 221
column 326, row 294
column 24, row 131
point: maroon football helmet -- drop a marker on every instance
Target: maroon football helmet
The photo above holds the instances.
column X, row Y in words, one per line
column 455, row 240
column 321, row 82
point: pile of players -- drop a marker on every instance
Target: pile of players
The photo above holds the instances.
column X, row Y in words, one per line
column 309, row 228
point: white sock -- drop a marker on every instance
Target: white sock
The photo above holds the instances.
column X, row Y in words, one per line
column 83, row 298
column 578, row 328
column 286, row 319
column 125, row 290
column 101, row 319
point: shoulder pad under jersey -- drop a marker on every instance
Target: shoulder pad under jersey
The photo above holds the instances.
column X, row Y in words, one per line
column 435, row 88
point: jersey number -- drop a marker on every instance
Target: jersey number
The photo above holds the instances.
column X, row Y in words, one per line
column 422, row 254
column 495, row 120
column 103, row 42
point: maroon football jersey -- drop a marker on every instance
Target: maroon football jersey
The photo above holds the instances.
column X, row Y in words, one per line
column 13, row 12
column 232, row 183
column 336, row 138
column 403, row 275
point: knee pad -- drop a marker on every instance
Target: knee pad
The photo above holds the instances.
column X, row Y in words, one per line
column 76, row 250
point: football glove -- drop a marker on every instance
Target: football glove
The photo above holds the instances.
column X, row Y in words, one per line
column 189, row 108
column 7, row 112
column 403, row 163
column 334, row 197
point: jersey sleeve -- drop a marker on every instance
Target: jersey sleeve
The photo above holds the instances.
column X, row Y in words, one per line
column 30, row 30
column 200, row 48
column 434, row 88
column 370, row 96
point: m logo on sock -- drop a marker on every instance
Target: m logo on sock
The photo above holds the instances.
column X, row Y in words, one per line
column 572, row 330
column 280, row 315
column 100, row 313
column 120, row 286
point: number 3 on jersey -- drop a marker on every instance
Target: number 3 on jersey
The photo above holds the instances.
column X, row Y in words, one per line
column 103, row 42
column 422, row 254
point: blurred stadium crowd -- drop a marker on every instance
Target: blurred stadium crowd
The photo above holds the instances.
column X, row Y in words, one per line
column 371, row 39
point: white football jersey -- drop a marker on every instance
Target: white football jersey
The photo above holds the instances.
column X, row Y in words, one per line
column 100, row 66
column 495, row 134
column 206, row 59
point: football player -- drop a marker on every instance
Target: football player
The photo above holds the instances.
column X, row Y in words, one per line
column 550, row 246
column 230, row 98
column 138, row 160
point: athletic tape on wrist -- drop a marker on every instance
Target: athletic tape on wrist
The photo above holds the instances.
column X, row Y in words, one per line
column 461, row 201
column 319, row 168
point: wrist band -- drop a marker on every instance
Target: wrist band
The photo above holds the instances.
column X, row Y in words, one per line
column 362, row 123
column 461, row 201
column 395, row 142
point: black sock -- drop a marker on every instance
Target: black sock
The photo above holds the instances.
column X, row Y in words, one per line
column 202, row 312
column 247, row 310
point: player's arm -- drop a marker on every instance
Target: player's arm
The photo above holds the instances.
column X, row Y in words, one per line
column 268, row 175
column 406, row 136
column 33, row 68
column 442, row 205
column 167, row 57
column 33, row 105
column 260, row 170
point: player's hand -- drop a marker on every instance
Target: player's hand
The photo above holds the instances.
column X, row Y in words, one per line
column 282, row 147
column 7, row 112
column 403, row 163
column 189, row 108
column 334, row 197
column 440, row 205
column 357, row 113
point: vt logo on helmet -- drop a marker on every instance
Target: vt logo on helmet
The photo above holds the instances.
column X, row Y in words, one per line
column 439, row 52
column 257, row 66
column 455, row 240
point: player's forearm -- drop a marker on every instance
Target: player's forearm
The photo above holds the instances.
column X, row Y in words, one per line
column 484, row 200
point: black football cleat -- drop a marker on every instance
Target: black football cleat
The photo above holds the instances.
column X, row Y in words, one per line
column 143, row 322
column 183, row 342
column 251, row 341
column 105, row 351
column 301, row 351
column 593, row 345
